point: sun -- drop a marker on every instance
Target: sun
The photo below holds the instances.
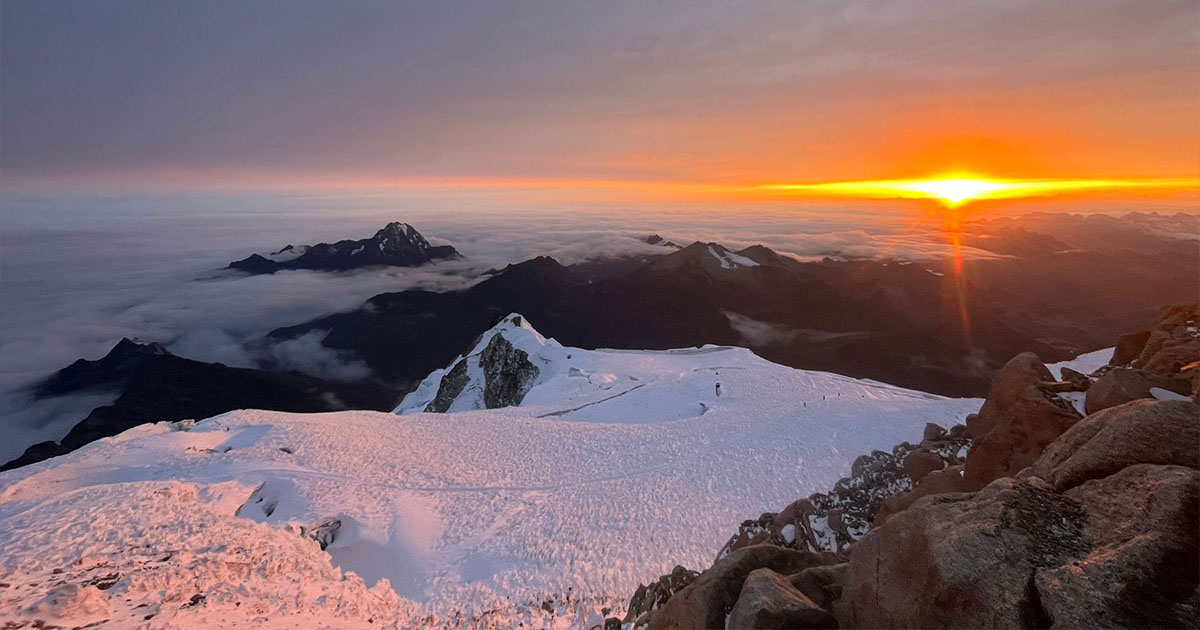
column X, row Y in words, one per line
column 955, row 189
column 954, row 192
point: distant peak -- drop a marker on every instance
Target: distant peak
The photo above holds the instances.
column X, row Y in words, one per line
column 133, row 347
column 397, row 231
column 655, row 239
column 514, row 322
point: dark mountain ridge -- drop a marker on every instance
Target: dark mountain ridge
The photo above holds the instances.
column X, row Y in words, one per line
column 396, row 245
column 156, row 385
column 913, row 324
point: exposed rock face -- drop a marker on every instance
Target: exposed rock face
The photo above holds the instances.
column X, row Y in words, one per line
column 920, row 463
column 451, row 386
column 1174, row 343
column 1143, row 431
column 397, row 245
column 1107, row 538
column 508, row 374
column 963, row 560
column 937, row 482
column 767, row 600
column 823, row 584
column 1116, row 387
column 1129, row 347
column 1008, row 390
column 1016, row 422
column 496, row 372
column 1142, row 569
column 705, row 602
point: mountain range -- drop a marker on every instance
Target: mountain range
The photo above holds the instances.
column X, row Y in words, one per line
column 940, row 326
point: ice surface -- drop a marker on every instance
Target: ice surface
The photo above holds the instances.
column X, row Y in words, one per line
column 1085, row 363
column 618, row 465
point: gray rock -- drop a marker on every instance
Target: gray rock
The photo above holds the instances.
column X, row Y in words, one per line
column 508, row 373
column 451, row 386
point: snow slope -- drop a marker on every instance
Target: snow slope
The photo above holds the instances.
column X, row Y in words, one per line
column 1085, row 363
column 542, row 514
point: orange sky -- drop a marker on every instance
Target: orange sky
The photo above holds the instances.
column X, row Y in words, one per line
column 633, row 103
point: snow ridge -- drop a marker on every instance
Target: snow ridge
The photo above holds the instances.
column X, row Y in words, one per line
column 616, row 465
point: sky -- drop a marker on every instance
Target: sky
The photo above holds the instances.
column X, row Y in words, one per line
column 609, row 101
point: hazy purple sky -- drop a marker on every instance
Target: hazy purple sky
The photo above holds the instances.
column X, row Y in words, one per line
column 212, row 94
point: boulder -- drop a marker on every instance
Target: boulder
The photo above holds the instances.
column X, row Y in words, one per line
column 1143, row 431
column 936, row 482
column 933, row 432
column 705, row 602
column 823, row 585
column 1017, row 420
column 921, row 463
column 1129, row 347
column 1171, row 354
column 1080, row 380
column 1144, row 566
column 1117, row 387
column 963, row 560
column 767, row 601
column 1008, row 388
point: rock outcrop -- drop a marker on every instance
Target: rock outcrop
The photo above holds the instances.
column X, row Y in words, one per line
column 498, row 371
column 1116, row 387
column 451, row 386
column 1100, row 532
column 507, row 372
column 768, row 600
column 1017, row 420
column 706, row 601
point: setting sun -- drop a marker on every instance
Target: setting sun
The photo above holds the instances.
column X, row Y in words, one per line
column 957, row 190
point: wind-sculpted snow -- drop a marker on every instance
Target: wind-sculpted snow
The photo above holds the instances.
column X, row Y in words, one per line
column 543, row 515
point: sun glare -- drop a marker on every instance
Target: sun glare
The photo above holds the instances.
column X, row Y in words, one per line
column 955, row 190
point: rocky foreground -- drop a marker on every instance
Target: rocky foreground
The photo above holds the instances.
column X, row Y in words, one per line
column 1030, row 515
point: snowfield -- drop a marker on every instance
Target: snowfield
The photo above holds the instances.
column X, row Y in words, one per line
column 618, row 465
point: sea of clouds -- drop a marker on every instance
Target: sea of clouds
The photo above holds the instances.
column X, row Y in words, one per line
column 78, row 275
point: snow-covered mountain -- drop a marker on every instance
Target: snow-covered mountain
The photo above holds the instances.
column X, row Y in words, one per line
column 613, row 465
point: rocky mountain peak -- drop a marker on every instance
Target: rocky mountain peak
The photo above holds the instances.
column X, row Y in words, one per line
column 496, row 372
column 397, row 235
column 397, row 245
